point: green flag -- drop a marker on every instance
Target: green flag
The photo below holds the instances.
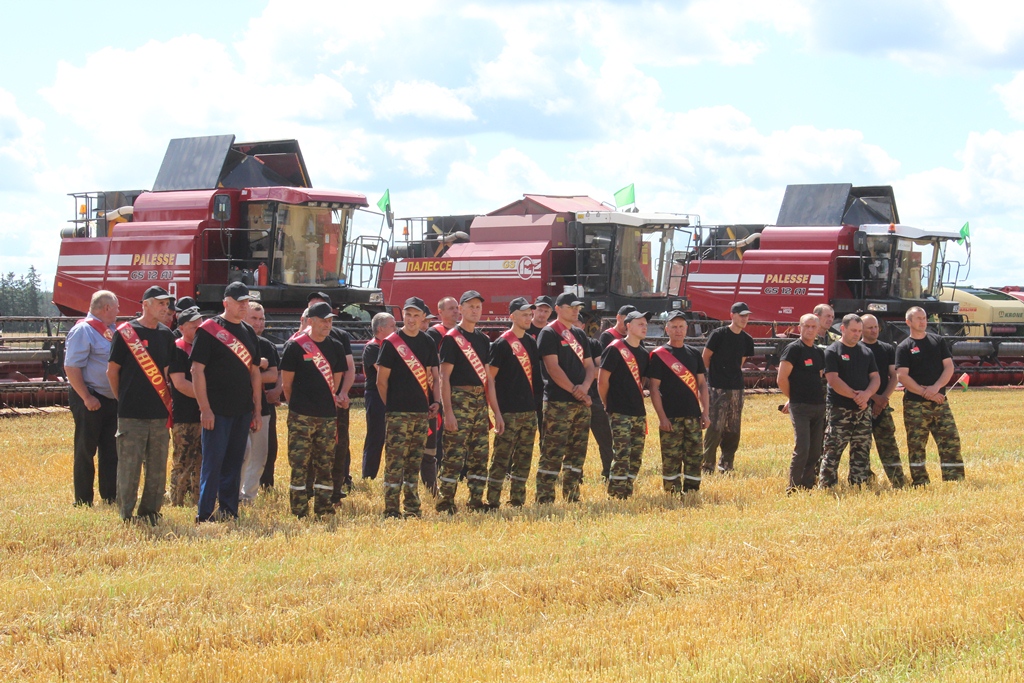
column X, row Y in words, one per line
column 384, row 204
column 625, row 196
column 965, row 232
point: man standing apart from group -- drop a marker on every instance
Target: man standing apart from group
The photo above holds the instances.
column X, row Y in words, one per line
column 255, row 459
column 93, row 404
column 139, row 356
column 569, row 371
column 882, row 426
column 800, row 371
column 382, row 326
column 621, row 383
column 726, row 350
column 187, row 431
column 925, row 367
column 679, row 394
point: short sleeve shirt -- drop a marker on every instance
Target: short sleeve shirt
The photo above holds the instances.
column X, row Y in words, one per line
column 136, row 397
column 549, row 343
column 511, row 385
column 854, row 365
column 269, row 351
column 311, row 395
column 186, row 408
column 463, row 373
column 228, row 380
column 729, row 349
column 924, row 360
column 805, row 379
column 885, row 356
column 405, row 395
column 624, row 396
column 370, row 353
column 677, row 399
column 88, row 350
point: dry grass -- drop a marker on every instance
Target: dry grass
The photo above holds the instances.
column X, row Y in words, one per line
column 738, row 583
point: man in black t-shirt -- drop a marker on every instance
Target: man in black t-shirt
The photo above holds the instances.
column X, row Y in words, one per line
column 852, row 380
column 228, row 387
column 408, row 383
column 541, row 317
column 255, row 459
column 925, row 367
column 187, row 431
column 679, row 394
column 882, row 426
column 311, row 369
column 621, row 383
column 447, row 317
column 726, row 350
column 600, row 428
column 568, row 373
column 137, row 370
column 514, row 372
column 382, row 325
column 801, row 368
column 618, row 330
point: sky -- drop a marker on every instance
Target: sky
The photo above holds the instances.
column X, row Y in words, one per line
column 708, row 107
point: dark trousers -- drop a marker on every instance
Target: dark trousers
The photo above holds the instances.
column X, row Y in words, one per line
column 373, row 445
column 267, row 479
column 94, row 431
column 809, row 428
column 600, row 427
column 221, row 474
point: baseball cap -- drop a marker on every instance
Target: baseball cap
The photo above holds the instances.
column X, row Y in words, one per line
column 469, row 296
column 319, row 295
column 544, row 301
column 155, row 292
column 568, row 299
column 636, row 315
column 237, row 291
column 519, row 304
column 320, row 310
column 189, row 314
column 741, row 308
column 417, row 303
column 184, row 303
column 627, row 309
column 672, row 315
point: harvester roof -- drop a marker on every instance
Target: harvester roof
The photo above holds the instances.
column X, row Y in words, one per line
column 532, row 204
column 217, row 161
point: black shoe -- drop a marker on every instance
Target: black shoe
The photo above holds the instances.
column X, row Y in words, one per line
column 338, row 497
column 514, row 503
column 477, row 506
column 413, row 515
column 391, row 514
column 446, row 507
column 82, row 504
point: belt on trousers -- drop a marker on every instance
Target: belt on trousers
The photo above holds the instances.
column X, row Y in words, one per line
column 478, row 389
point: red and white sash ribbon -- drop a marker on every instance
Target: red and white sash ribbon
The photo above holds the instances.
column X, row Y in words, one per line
column 630, row 360
column 566, row 334
column 470, row 353
column 677, row 368
column 98, row 325
column 229, row 340
column 314, row 354
column 519, row 351
column 413, row 363
column 149, row 368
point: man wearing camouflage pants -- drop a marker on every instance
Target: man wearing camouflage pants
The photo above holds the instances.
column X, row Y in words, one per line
column 724, row 354
column 852, row 380
column 568, row 373
column 882, row 426
column 925, row 367
column 187, row 431
column 679, row 394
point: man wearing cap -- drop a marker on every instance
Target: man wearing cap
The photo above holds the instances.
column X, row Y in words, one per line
column 228, row 387
column 726, row 350
column 600, row 428
column 409, row 386
column 465, row 395
column 541, row 314
column 187, row 431
column 883, row 428
column 618, row 330
column 799, row 378
column 382, row 325
column 137, row 370
column 447, row 317
column 568, row 373
column 93, row 404
column 255, row 459
column 679, row 394
column 515, row 375
column 621, row 383
column 181, row 305
column 311, row 370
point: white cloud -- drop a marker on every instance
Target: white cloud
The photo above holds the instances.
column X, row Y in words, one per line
column 420, row 99
column 1012, row 96
column 20, row 146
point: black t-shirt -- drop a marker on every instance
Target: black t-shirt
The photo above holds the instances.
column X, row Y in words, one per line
column 436, row 335
column 854, row 365
column 607, row 337
column 136, row 397
column 885, row 355
column 805, row 379
column 269, row 351
column 624, row 396
column 370, row 353
column 534, row 331
column 311, row 395
column 677, row 399
column 228, row 380
column 463, row 374
column 728, row 351
column 186, row 408
column 343, row 338
column 595, row 352
column 549, row 343
column 404, row 392
column 511, row 385
column 924, row 359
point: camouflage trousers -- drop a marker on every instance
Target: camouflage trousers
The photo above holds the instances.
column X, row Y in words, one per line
column 629, row 434
column 188, row 461
column 681, row 455
column 921, row 418
column 563, row 448
column 404, row 441
column 311, row 448
column 726, row 415
column 466, row 447
column 884, row 430
column 512, row 456
column 846, row 427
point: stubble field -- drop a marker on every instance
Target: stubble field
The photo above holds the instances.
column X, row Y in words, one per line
column 739, row 582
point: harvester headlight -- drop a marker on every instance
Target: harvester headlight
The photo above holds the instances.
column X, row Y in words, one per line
column 878, row 308
column 376, row 297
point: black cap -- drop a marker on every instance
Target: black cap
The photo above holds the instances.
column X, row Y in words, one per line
column 636, row 315
column 519, row 304
column 184, row 303
column 469, row 296
column 237, row 291
column 319, row 295
column 672, row 315
column 544, row 301
column 189, row 314
column 155, row 292
column 627, row 309
column 568, row 299
column 320, row 310
column 417, row 303
column 740, row 307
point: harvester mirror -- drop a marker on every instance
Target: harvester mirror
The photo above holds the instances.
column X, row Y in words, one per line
column 860, row 242
column 221, row 207
column 576, row 234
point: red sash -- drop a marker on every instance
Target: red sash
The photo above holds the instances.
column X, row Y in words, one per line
column 413, row 363
column 442, row 331
column 630, row 360
column 148, row 366
column 229, row 340
column 183, row 345
column 98, row 325
column 519, row 351
column 319, row 360
column 615, row 333
column 470, row 353
column 569, row 338
column 677, row 368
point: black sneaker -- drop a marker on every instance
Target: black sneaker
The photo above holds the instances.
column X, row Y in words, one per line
column 413, row 515
column 446, row 507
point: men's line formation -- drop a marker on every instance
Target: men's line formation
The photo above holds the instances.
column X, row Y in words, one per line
column 436, row 387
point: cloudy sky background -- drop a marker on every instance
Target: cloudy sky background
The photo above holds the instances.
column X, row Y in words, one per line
column 708, row 107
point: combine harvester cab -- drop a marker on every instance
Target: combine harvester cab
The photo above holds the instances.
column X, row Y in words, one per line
column 219, row 212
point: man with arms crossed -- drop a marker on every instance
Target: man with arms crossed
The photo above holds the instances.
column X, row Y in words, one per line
column 882, row 426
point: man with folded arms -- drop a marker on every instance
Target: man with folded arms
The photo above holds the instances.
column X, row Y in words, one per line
column 883, row 428
column 187, row 431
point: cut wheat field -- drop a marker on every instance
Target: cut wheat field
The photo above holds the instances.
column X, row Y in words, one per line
column 739, row 582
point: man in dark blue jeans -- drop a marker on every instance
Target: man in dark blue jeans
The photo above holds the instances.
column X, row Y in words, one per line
column 382, row 325
column 226, row 378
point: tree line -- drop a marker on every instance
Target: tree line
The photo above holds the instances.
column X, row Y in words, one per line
column 24, row 295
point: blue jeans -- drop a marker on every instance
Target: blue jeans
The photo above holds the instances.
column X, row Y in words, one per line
column 373, row 445
column 223, row 453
